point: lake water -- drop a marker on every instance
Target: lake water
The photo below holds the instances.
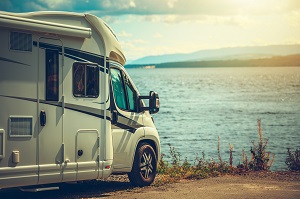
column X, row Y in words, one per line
column 200, row 104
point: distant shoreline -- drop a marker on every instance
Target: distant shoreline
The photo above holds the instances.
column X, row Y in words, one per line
column 276, row 61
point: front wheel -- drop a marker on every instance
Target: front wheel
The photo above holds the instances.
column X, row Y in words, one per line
column 144, row 166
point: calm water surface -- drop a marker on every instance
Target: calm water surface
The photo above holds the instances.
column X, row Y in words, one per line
column 200, row 104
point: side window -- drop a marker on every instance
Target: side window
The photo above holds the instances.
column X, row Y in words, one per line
column 85, row 80
column 78, row 80
column 52, row 75
column 92, row 81
column 118, row 88
column 124, row 93
column 132, row 96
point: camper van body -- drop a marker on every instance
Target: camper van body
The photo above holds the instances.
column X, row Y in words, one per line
column 68, row 109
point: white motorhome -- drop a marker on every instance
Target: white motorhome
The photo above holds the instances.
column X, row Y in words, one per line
column 68, row 109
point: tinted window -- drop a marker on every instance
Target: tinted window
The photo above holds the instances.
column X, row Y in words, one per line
column 52, row 75
column 124, row 93
column 131, row 96
column 85, row 80
column 118, row 88
column 92, row 81
column 78, row 80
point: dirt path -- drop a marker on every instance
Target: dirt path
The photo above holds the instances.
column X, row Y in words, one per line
column 222, row 187
column 270, row 185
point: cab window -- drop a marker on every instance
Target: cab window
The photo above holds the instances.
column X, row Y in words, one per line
column 118, row 88
column 131, row 94
column 123, row 91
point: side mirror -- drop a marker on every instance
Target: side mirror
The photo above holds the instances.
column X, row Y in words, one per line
column 154, row 103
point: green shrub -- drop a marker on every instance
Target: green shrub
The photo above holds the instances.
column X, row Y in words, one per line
column 293, row 160
column 177, row 169
column 260, row 158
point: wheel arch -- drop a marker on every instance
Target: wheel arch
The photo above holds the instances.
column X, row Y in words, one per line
column 150, row 137
column 154, row 144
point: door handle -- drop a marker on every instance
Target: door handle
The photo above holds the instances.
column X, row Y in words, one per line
column 114, row 117
column 80, row 152
column 43, row 118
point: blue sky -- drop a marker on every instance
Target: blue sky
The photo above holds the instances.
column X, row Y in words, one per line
column 154, row 27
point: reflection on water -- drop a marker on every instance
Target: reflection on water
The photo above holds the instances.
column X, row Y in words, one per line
column 200, row 104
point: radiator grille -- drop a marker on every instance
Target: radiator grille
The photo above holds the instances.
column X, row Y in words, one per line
column 20, row 127
column 20, row 41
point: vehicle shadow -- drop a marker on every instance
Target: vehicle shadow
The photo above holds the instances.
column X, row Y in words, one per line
column 86, row 189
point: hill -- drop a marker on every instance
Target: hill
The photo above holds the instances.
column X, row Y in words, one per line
column 288, row 60
column 240, row 53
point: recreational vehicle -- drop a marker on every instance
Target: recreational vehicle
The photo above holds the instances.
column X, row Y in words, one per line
column 68, row 109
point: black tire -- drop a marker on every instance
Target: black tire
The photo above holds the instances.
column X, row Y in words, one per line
column 144, row 166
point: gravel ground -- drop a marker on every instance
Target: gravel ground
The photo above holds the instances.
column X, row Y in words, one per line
column 252, row 185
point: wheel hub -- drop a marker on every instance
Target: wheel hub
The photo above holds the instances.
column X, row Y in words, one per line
column 146, row 165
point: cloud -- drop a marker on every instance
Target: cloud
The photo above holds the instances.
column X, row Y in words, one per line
column 155, row 7
column 133, row 49
column 287, row 41
column 236, row 20
column 107, row 19
column 291, row 41
column 34, row 5
column 228, row 12
column 290, row 5
column 171, row 3
column 157, row 36
column 123, row 33
column 293, row 18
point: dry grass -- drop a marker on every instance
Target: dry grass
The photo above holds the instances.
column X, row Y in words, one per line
column 175, row 169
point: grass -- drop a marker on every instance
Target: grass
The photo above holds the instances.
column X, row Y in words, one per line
column 261, row 159
column 175, row 169
column 293, row 160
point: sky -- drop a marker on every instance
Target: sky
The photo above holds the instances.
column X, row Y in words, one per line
column 155, row 27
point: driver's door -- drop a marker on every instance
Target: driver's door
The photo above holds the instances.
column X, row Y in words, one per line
column 128, row 123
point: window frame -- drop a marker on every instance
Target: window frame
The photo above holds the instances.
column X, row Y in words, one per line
column 85, row 83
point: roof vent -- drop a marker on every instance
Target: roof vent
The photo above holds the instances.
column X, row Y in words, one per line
column 21, row 41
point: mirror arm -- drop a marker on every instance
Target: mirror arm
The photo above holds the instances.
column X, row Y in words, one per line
column 153, row 102
column 144, row 108
column 144, row 97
